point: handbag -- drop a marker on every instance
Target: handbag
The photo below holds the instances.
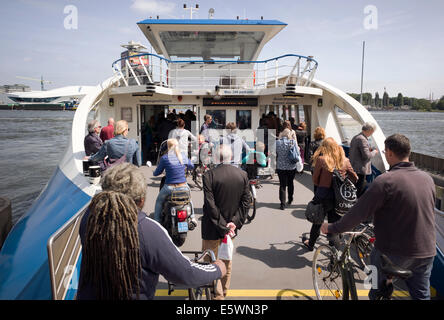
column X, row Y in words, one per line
column 294, row 153
column 225, row 250
column 315, row 212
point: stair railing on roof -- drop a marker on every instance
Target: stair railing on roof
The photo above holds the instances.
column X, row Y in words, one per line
column 206, row 74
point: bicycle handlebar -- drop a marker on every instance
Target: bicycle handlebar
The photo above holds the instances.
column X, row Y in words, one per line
column 355, row 233
column 206, row 252
column 209, row 253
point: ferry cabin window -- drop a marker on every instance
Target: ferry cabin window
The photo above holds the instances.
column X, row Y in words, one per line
column 211, row 45
column 219, row 118
column 243, row 119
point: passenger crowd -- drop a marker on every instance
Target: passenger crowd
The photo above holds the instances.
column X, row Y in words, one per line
column 135, row 249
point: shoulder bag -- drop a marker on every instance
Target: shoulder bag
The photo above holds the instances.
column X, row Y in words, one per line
column 109, row 162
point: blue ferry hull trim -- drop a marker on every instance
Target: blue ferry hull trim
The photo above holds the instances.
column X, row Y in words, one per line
column 24, row 268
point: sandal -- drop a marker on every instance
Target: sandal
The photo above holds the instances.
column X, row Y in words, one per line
column 306, row 245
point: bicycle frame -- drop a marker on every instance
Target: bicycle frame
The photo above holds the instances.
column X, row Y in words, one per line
column 348, row 280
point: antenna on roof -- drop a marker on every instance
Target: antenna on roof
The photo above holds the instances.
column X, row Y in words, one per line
column 211, row 13
column 191, row 9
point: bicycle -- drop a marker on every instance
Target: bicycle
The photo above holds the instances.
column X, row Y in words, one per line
column 254, row 184
column 204, row 164
column 333, row 272
column 208, row 291
column 198, row 172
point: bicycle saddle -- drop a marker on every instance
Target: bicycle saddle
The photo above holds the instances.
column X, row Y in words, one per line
column 390, row 269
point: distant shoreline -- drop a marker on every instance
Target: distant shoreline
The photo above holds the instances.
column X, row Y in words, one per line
column 398, row 110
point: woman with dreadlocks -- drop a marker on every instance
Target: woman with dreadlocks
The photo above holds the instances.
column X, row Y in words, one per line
column 124, row 251
column 111, row 255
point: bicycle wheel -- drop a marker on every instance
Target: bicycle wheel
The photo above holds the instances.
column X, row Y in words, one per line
column 327, row 276
column 251, row 216
column 197, row 179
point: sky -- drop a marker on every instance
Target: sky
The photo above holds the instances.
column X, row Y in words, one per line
column 404, row 40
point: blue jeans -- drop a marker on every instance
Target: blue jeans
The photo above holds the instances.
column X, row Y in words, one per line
column 418, row 284
column 163, row 194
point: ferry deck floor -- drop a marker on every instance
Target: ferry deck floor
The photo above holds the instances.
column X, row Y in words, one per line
column 269, row 260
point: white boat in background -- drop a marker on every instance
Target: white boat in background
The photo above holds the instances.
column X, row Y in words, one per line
column 206, row 66
column 65, row 98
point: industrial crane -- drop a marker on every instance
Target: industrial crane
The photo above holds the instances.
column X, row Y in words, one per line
column 42, row 82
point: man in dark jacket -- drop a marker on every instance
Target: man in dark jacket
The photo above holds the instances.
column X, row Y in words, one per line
column 226, row 204
column 92, row 142
column 402, row 203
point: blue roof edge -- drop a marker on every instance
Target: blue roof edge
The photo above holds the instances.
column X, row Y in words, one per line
column 212, row 22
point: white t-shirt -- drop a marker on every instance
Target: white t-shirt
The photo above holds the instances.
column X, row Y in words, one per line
column 182, row 136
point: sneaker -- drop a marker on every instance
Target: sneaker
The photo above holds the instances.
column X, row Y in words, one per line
column 192, row 224
column 282, row 206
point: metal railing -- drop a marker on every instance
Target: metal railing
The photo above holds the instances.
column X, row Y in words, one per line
column 147, row 68
column 433, row 164
column 64, row 248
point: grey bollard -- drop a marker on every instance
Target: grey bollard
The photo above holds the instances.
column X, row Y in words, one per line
column 5, row 219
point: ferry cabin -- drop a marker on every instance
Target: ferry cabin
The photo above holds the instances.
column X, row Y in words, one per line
column 211, row 67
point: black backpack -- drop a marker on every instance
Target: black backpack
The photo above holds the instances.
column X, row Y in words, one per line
column 345, row 193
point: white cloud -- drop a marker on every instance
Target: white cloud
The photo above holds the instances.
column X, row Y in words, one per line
column 153, row 6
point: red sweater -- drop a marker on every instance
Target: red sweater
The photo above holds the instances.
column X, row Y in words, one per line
column 107, row 133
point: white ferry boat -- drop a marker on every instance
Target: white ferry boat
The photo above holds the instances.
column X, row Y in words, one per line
column 206, row 66
column 65, row 98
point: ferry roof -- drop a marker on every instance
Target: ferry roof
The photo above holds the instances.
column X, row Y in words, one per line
column 209, row 38
column 212, row 22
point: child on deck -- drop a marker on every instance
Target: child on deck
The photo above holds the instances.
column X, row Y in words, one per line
column 255, row 158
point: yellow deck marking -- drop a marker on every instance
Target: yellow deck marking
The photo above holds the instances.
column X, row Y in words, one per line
column 270, row 293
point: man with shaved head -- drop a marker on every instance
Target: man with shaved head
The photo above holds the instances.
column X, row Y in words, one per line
column 108, row 131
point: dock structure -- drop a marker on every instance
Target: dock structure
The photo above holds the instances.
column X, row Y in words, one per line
column 269, row 260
